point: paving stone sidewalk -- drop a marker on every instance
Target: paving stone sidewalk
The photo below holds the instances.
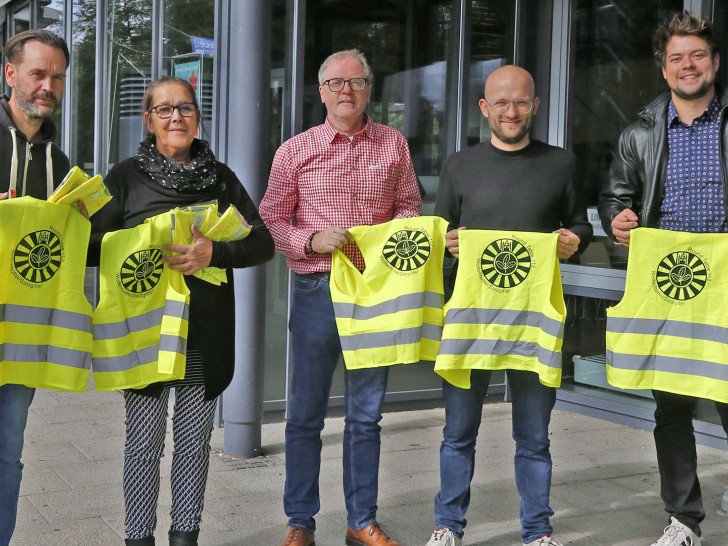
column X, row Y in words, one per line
column 605, row 482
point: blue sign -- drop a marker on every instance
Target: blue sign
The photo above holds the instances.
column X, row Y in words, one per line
column 203, row 46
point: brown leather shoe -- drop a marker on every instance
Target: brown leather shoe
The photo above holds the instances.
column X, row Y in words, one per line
column 298, row 536
column 369, row 536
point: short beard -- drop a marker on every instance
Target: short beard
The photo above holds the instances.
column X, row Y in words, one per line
column 518, row 137
column 32, row 111
column 699, row 93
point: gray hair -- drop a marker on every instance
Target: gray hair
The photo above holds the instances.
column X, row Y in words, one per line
column 339, row 55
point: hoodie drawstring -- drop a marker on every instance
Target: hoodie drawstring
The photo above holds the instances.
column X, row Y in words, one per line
column 14, row 165
column 49, row 170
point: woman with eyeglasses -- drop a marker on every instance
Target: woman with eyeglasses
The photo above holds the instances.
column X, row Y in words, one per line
column 173, row 168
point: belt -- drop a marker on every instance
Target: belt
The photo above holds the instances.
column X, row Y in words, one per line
column 325, row 275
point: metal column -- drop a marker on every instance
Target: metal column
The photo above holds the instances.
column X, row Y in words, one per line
column 243, row 56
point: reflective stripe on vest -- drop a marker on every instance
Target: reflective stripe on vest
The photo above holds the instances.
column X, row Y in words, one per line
column 140, row 325
column 507, row 309
column 670, row 331
column 45, row 319
column 392, row 312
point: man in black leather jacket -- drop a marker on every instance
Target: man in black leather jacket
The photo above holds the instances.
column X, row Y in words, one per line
column 655, row 182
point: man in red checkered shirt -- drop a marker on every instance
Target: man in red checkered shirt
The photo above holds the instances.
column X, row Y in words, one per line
column 345, row 172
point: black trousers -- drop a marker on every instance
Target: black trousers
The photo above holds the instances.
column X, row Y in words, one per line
column 677, row 457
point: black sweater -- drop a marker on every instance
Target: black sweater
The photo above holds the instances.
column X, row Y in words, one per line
column 531, row 189
column 212, row 308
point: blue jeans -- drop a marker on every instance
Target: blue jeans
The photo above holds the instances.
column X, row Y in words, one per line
column 14, row 403
column 531, row 413
column 315, row 353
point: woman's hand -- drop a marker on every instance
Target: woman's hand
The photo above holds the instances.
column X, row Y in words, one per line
column 191, row 258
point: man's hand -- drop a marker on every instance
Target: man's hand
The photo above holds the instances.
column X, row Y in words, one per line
column 328, row 240
column 82, row 209
column 452, row 243
column 568, row 243
column 622, row 224
column 3, row 195
column 191, row 258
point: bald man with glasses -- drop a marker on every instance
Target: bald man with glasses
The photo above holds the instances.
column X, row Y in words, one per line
column 510, row 182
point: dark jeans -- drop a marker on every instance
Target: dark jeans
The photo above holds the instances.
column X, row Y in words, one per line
column 677, row 457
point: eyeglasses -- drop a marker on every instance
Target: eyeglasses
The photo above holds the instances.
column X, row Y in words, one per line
column 166, row 111
column 500, row 107
column 337, row 84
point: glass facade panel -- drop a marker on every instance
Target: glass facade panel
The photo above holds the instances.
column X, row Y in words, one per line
column 49, row 15
column 81, row 84
column 430, row 59
column 189, row 46
column 406, row 44
column 491, row 35
column 614, row 75
column 413, row 50
column 276, row 298
column 129, row 70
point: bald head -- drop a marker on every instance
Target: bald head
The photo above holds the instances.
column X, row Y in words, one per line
column 509, row 105
column 509, row 79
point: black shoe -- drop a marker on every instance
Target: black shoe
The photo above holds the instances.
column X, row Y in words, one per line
column 183, row 538
column 146, row 541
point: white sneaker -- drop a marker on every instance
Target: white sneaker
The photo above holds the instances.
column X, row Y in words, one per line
column 442, row 536
column 545, row 540
column 677, row 534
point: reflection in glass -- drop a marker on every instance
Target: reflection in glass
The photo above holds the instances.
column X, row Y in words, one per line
column 129, row 31
column 491, row 44
column 614, row 76
column 189, row 47
column 276, row 286
column 50, row 17
column 83, row 80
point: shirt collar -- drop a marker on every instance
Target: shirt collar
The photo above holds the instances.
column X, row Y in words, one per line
column 331, row 133
column 711, row 114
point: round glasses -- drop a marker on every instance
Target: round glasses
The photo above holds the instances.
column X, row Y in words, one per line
column 166, row 111
column 337, row 84
column 500, row 107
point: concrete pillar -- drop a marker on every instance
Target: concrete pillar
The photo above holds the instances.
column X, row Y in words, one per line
column 244, row 35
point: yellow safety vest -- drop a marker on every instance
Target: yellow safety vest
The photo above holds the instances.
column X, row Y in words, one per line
column 507, row 309
column 392, row 312
column 670, row 331
column 45, row 318
column 140, row 324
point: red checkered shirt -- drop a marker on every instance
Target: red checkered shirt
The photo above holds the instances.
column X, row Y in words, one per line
column 321, row 178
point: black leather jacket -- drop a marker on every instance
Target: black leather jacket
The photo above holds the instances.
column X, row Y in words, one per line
column 639, row 165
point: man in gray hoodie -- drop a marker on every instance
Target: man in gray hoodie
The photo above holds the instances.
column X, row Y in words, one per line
column 30, row 164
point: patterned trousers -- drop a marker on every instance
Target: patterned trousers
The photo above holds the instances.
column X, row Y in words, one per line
column 146, row 423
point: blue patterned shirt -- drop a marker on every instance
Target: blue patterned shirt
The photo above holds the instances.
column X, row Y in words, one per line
column 694, row 195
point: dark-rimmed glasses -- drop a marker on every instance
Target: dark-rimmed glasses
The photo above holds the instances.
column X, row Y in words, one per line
column 521, row 106
column 337, row 84
column 166, row 111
